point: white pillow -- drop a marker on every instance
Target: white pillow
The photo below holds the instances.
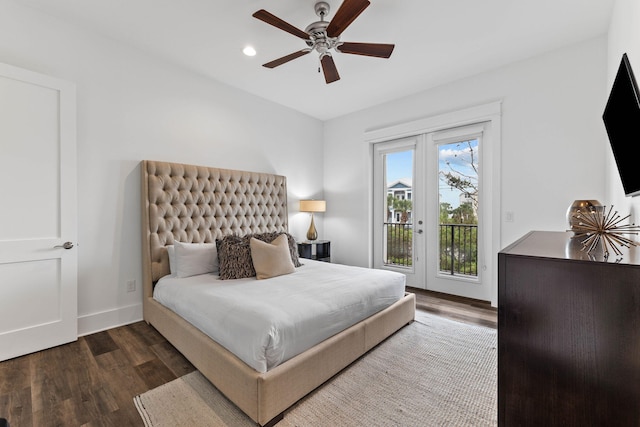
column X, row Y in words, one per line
column 171, row 250
column 195, row 258
column 271, row 259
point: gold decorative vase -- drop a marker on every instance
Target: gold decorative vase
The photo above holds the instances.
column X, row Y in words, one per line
column 581, row 205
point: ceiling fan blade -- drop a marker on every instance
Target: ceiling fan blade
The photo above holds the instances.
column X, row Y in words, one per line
column 346, row 14
column 287, row 58
column 271, row 19
column 329, row 67
column 379, row 50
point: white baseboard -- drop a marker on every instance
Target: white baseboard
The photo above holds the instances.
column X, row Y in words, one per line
column 97, row 322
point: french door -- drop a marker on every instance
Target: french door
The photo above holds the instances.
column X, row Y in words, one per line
column 438, row 238
column 397, row 215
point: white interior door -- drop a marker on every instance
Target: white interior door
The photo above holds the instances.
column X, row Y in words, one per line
column 38, row 257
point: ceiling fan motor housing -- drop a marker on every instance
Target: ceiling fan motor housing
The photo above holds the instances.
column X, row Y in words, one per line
column 319, row 40
column 318, row 28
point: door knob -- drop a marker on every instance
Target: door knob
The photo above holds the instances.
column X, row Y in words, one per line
column 65, row 245
column 420, row 231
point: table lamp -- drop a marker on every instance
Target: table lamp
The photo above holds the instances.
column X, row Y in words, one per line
column 312, row 206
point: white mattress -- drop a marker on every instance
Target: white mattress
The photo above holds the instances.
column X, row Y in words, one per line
column 266, row 322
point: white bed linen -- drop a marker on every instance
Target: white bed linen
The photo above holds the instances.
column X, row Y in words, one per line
column 266, row 322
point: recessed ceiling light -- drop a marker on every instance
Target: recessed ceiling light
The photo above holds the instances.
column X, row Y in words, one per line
column 249, row 51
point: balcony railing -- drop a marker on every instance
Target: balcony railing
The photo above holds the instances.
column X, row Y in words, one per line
column 399, row 244
column 458, row 247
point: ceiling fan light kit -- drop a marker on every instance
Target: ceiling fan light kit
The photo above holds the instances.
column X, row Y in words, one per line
column 324, row 36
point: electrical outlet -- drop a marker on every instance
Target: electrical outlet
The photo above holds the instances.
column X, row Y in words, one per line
column 131, row 285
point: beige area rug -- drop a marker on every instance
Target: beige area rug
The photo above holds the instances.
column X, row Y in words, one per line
column 434, row 372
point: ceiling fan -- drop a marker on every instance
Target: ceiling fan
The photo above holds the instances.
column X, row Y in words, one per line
column 323, row 36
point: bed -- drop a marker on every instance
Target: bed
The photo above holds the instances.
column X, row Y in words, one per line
column 187, row 203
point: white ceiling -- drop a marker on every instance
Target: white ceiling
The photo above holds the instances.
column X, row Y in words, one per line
column 437, row 41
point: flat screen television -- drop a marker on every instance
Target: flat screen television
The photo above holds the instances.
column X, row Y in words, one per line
column 622, row 121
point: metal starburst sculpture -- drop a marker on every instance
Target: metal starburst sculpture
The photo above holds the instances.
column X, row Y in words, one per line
column 600, row 225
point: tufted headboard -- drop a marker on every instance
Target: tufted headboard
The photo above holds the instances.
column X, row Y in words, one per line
column 197, row 204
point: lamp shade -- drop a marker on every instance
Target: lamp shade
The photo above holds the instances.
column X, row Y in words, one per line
column 313, row 206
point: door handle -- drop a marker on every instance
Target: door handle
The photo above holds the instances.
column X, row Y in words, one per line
column 65, row 245
column 420, row 231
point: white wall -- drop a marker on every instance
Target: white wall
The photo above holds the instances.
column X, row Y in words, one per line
column 552, row 143
column 624, row 36
column 133, row 107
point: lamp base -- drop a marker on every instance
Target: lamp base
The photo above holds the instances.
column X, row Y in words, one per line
column 312, row 234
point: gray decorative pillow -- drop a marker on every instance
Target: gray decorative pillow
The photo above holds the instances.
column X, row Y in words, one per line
column 293, row 250
column 234, row 254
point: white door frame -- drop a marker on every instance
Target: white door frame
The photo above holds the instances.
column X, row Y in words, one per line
column 492, row 114
column 38, row 276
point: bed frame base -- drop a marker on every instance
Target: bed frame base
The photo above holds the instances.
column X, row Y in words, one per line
column 265, row 396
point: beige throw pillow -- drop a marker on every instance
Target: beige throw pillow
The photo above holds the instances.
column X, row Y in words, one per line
column 271, row 259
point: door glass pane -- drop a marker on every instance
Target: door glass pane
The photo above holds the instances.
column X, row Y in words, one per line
column 398, row 224
column 458, row 201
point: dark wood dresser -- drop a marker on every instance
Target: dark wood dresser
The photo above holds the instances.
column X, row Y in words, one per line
column 568, row 334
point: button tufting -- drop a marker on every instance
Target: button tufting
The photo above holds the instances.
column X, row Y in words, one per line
column 192, row 203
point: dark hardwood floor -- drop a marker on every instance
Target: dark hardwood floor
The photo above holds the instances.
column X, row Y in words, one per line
column 456, row 308
column 92, row 382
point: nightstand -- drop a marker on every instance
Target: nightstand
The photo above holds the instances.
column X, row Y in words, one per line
column 318, row 249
